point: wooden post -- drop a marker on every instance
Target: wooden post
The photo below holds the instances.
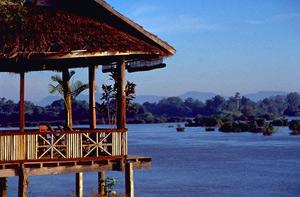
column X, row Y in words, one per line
column 79, row 184
column 22, row 116
column 22, row 101
column 3, row 187
column 92, row 97
column 121, row 103
column 93, row 122
column 121, row 95
column 129, row 181
column 23, row 182
column 101, row 183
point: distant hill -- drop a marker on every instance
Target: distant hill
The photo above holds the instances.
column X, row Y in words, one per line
column 147, row 98
column 48, row 100
column 264, row 94
column 202, row 96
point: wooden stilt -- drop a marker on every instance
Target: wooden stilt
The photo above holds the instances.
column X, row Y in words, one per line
column 23, row 183
column 129, row 181
column 79, row 184
column 3, row 187
column 101, row 183
column 22, row 101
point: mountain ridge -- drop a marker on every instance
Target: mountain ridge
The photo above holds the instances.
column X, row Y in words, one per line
column 202, row 96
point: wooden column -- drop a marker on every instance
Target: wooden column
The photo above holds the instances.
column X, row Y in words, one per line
column 121, row 95
column 22, row 101
column 93, row 122
column 121, row 103
column 92, row 97
column 129, row 181
column 23, row 183
column 22, row 116
column 3, row 187
column 79, row 184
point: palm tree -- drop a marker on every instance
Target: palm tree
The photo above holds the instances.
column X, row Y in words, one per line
column 67, row 91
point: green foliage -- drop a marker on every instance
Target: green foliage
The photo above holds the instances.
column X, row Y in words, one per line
column 71, row 91
column 110, row 184
column 295, row 125
column 280, row 122
column 108, row 99
column 171, row 109
column 76, row 87
column 293, row 104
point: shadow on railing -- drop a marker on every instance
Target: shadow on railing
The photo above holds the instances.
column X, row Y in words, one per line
column 79, row 144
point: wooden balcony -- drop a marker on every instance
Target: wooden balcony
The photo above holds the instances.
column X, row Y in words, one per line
column 77, row 145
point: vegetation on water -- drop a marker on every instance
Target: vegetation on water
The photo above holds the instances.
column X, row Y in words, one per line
column 295, row 127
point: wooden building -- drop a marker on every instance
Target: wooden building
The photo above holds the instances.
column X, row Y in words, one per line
column 56, row 35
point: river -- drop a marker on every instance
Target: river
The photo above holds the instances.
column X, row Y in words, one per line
column 196, row 163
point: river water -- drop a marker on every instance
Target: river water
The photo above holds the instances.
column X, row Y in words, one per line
column 196, row 163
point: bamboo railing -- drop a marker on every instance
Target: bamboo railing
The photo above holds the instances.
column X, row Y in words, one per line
column 63, row 145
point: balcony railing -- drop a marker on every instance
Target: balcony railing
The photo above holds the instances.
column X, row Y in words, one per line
column 35, row 146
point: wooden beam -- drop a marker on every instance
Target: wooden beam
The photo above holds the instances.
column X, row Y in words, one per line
column 92, row 97
column 66, row 167
column 3, row 187
column 23, row 182
column 22, row 101
column 13, row 65
column 129, row 181
column 79, row 184
column 72, row 169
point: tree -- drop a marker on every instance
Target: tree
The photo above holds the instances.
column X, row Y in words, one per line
column 293, row 103
column 247, row 107
column 67, row 91
column 214, row 105
column 237, row 98
column 108, row 104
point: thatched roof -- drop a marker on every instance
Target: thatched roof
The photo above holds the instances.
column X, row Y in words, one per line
column 72, row 30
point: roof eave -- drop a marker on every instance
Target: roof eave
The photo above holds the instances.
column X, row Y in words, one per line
column 139, row 28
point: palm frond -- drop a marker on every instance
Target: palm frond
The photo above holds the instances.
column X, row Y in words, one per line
column 78, row 87
column 57, row 79
column 71, row 74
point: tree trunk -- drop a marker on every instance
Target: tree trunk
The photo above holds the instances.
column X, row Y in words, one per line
column 67, row 98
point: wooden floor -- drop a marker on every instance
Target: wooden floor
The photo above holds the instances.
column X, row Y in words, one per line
column 62, row 167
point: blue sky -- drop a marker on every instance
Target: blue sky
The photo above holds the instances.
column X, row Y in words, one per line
column 222, row 47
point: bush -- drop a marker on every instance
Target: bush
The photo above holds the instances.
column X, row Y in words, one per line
column 294, row 125
column 280, row 123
